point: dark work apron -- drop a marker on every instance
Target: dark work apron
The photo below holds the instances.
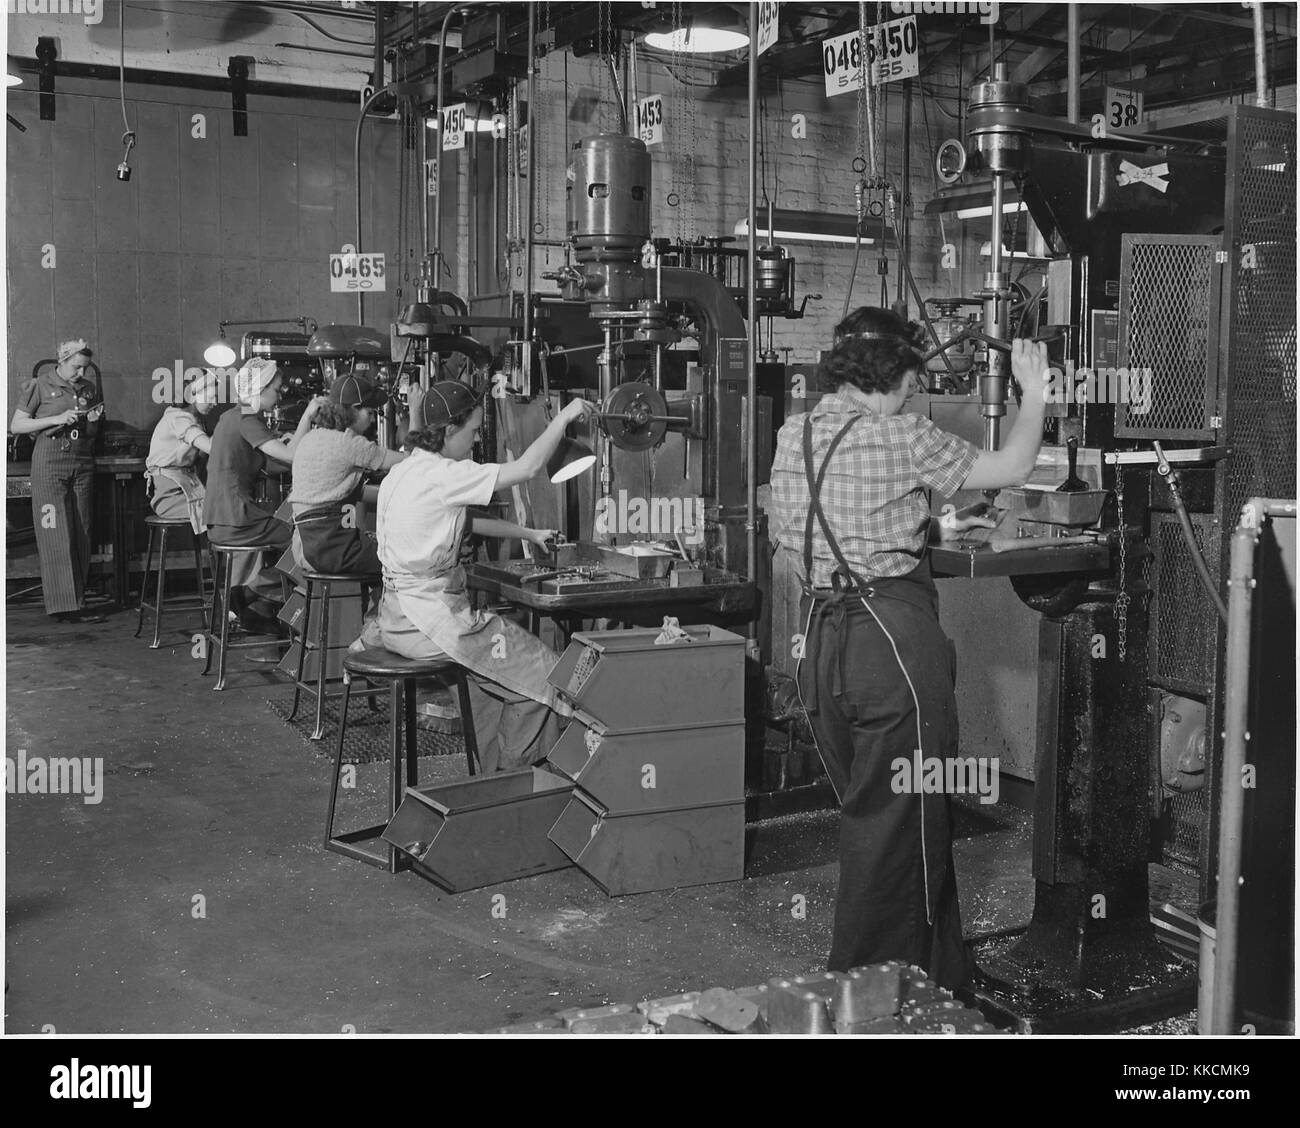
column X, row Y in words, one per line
column 331, row 540
column 876, row 678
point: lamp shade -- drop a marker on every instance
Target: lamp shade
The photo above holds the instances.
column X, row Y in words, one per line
column 570, row 459
column 219, row 354
column 418, row 320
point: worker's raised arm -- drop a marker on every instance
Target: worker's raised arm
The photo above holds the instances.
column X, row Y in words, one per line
column 1012, row 465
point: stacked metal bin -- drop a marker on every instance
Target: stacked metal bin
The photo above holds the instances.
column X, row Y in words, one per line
column 656, row 751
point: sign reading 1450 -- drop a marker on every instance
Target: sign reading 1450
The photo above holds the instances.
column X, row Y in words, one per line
column 892, row 54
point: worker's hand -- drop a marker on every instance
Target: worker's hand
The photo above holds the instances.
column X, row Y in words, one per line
column 953, row 521
column 540, row 537
column 95, row 413
column 577, row 410
column 309, row 412
column 1030, row 366
column 66, row 419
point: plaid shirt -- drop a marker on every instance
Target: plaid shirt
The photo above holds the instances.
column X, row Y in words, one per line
column 873, row 495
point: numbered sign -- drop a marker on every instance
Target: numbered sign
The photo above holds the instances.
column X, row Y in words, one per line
column 1123, row 108
column 352, row 272
column 453, row 127
column 767, row 19
column 893, row 53
column 650, row 119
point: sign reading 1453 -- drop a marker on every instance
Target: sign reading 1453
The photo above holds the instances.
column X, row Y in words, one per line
column 893, row 53
column 650, row 119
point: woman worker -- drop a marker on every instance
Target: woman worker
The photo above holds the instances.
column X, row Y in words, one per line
column 179, row 438
column 62, row 408
column 425, row 610
column 877, row 671
column 328, row 467
column 242, row 445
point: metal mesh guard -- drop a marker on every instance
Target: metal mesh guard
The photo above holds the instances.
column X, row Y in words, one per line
column 1186, row 623
column 1168, row 332
column 1262, row 368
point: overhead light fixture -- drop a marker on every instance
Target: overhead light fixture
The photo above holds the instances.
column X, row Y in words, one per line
column 972, row 203
column 986, row 212
column 697, row 40
column 219, row 354
column 791, row 226
column 13, row 79
column 472, row 125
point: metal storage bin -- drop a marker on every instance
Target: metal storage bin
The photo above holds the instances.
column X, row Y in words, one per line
column 629, row 683
column 642, row 771
column 484, row 830
column 643, row 852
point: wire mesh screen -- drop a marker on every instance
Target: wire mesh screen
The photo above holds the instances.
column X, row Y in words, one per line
column 1183, row 619
column 1261, row 371
column 1186, row 820
column 1168, row 337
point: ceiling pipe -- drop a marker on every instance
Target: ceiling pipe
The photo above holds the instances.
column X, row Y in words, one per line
column 751, row 305
column 1261, row 64
column 1072, row 81
column 529, row 235
column 437, row 149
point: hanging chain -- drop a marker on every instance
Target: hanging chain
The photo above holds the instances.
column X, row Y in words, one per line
column 1122, row 596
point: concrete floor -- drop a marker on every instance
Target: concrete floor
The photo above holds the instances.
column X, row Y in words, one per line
column 211, row 795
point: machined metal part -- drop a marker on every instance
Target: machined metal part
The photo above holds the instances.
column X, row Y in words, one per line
column 608, row 215
column 1001, row 140
column 635, row 416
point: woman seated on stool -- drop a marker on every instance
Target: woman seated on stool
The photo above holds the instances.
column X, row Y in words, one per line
column 179, row 438
column 242, row 446
column 328, row 493
column 425, row 611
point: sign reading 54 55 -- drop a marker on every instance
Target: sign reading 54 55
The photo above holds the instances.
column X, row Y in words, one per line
column 892, row 50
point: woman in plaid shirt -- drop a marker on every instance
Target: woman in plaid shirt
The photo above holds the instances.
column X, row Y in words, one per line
column 849, row 486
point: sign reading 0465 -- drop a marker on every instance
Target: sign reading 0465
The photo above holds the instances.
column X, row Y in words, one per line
column 351, row 271
column 893, row 53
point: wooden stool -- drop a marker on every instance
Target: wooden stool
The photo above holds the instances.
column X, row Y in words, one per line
column 160, row 526
column 224, row 555
column 402, row 674
column 368, row 581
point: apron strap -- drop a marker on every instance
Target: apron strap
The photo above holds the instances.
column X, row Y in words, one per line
column 815, row 505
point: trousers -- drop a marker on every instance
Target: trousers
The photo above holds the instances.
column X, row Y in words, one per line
column 877, row 679
column 512, row 731
column 62, row 485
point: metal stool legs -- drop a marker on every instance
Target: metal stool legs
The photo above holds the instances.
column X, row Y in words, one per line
column 401, row 702
column 144, row 580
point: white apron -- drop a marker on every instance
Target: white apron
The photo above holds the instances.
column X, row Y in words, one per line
column 185, row 480
column 488, row 645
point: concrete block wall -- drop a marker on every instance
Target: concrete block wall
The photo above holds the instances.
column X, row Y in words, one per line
column 208, row 229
